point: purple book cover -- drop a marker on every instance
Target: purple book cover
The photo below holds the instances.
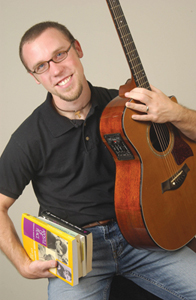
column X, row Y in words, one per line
column 35, row 232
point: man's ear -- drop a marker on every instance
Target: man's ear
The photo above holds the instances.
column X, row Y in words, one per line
column 78, row 49
column 37, row 81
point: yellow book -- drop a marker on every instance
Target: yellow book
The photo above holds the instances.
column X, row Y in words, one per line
column 45, row 242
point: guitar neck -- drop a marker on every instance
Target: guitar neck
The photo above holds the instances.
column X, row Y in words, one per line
column 128, row 44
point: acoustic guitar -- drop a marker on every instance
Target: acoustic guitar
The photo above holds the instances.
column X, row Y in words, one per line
column 155, row 183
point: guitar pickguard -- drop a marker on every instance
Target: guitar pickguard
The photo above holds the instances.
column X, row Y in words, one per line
column 181, row 150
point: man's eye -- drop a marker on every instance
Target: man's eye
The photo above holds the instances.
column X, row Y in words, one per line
column 41, row 67
column 59, row 56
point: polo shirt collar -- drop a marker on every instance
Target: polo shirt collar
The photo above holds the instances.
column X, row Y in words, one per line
column 57, row 124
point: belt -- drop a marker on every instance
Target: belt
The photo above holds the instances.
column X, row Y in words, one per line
column 99, row 223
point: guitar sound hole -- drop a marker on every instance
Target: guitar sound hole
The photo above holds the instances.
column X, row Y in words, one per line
column 159, row 136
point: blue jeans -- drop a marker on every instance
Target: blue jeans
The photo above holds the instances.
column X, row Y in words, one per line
column 169, row 275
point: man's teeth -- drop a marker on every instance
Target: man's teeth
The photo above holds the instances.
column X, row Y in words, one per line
column 64, row 81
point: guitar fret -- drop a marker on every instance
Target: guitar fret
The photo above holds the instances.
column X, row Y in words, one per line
column 127, row 38
column 122, row 27
column 137, row 69
column 121, row 21
column 128, row 43
column 145, row 85
column 131, row 52
column 134, row 61
column 141, row 81
column 136, row 66
column 142, row 78
column 117, row 8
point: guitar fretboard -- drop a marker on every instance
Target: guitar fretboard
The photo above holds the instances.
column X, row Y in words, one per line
column 128, row 44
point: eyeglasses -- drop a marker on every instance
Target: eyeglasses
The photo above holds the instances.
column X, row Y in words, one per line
column 57, row 58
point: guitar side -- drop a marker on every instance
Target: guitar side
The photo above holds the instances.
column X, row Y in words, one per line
column 127, row 192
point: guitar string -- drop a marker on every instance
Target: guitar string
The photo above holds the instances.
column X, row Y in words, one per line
column 160, row 131
column 137, row 68
column 136, row 63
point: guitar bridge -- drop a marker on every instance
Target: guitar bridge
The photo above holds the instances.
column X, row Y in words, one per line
column 174, row 182
column 118, row 146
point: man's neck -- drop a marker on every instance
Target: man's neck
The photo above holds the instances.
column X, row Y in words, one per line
column 76, row 109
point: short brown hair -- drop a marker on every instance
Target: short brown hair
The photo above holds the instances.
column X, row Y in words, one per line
column 33, row 32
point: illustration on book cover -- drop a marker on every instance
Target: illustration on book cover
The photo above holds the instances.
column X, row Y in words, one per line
column 48, row 246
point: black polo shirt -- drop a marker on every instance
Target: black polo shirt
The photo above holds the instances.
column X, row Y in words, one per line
column 71, row 170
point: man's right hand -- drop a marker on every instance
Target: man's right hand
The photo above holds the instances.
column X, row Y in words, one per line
column 11, row 245
column 38, row 269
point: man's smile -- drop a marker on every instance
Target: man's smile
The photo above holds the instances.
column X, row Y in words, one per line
column 64, row 81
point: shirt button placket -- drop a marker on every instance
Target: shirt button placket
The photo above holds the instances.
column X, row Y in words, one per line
column 86, row 135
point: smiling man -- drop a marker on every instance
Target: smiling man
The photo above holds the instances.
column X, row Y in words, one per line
column 65, row 81
column 59, row 149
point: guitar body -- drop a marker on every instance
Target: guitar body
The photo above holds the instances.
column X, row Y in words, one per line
column 155, row 186
column 151, row 213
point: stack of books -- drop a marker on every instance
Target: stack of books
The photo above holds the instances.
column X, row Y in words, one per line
column 49, row 237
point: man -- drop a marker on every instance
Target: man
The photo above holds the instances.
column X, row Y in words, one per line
column 59, row 149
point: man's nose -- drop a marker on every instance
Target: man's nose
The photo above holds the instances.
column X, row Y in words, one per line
column 55, row 68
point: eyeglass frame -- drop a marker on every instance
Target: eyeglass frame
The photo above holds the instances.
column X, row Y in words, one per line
column 52, row 59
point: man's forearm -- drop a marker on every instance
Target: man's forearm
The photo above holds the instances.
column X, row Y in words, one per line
column 186, row 122
column 10, row 244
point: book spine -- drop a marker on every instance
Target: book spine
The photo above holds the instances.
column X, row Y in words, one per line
column 48, row 215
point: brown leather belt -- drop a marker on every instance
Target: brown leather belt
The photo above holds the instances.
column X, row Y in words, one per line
column 99, row 223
